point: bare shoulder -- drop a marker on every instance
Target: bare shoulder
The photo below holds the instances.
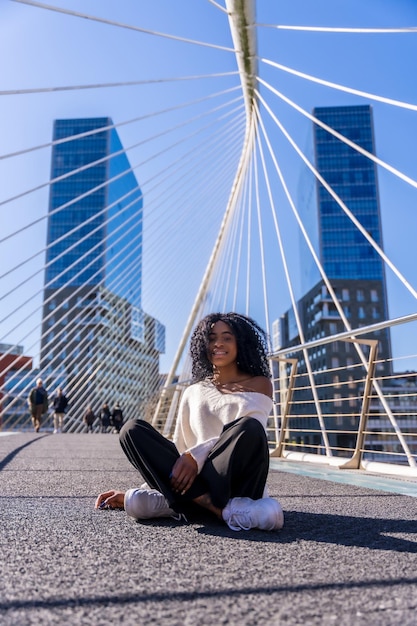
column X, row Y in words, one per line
column 261, row 384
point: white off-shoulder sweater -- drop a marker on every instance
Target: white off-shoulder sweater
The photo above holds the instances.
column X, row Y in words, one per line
column 203, row 412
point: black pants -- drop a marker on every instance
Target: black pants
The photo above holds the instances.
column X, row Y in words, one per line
column 236, row 466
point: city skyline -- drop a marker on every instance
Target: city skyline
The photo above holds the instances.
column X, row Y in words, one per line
column 369, row 65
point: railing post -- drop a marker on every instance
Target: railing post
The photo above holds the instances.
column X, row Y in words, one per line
column 285, row 407
column 355, row 461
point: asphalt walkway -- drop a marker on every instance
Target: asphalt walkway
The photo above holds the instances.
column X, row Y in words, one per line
column 347, row 554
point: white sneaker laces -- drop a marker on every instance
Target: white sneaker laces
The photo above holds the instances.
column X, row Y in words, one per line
column 240, row 520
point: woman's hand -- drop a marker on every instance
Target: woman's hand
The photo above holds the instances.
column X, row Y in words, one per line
column 111, row 500
column 183, row 473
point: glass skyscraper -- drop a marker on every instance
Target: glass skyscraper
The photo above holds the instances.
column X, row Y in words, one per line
column 344, row 251
column 95, row 333
column 354, row 269
column 95, row 212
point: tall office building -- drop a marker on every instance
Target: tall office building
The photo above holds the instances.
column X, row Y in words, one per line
column 95, row 335
column 355, row 271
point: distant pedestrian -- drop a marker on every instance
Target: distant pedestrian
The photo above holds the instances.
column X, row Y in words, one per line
column 38, row 404
column 89, row 419
column 104, row 417
column 60, row 403
column 117, row 418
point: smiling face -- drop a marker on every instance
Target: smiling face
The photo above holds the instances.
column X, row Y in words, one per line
column 222, row 345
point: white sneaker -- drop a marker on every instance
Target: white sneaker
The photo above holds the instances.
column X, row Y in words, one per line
column 55, row 431
column 148, row 504
column 245, row 513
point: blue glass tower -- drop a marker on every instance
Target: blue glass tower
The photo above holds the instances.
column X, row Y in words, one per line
column 344, row 251
column 354, row 269
column 95, row 213
column 95, row 334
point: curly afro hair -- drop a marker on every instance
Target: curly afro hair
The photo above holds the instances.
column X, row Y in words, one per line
column 251, row 345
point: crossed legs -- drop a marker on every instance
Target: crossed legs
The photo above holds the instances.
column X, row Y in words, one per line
column 236, row 466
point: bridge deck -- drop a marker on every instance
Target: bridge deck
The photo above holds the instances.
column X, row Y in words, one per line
column 346, row 555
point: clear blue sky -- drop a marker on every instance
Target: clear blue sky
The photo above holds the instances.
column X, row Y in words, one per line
column 41, row 48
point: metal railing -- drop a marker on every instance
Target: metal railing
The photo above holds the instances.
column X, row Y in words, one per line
column 353, row 417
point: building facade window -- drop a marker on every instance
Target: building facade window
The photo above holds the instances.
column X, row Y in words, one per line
column 332, row 328
column 337, row 399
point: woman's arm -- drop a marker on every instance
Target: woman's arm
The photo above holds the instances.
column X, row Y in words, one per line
column 184, row 435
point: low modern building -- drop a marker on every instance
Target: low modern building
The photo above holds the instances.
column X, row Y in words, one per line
column 16, row 375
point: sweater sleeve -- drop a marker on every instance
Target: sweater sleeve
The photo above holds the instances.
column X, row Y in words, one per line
column 201, row 451
column 184, row 437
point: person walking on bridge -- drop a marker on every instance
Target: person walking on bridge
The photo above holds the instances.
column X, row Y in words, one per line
column 60, row 403
column 38, row 404
column 219, row 458
column 104, row 416
column 117, row 418
column 89, row 419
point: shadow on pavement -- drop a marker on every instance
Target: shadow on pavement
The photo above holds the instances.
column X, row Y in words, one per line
column 375, row 534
